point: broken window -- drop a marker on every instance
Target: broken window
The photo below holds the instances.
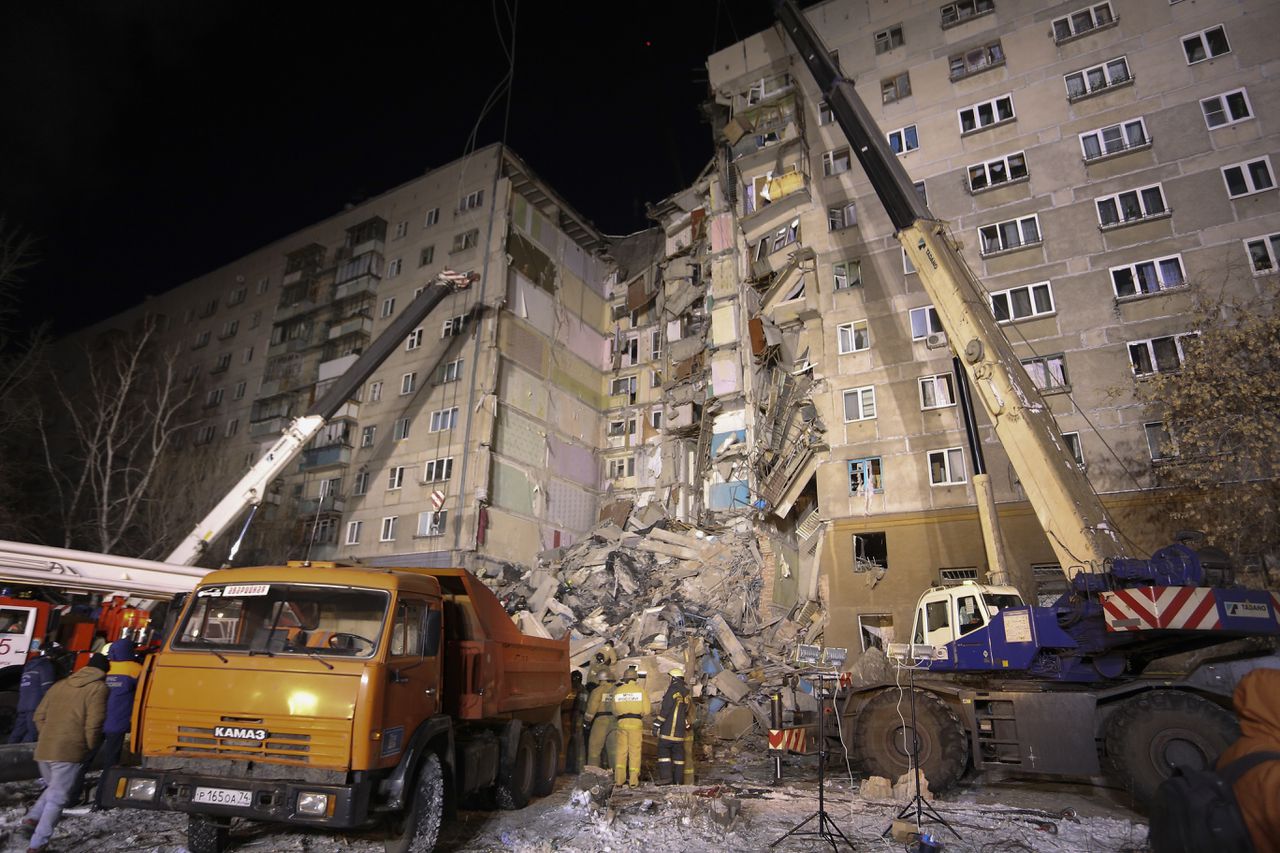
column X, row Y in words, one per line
column 1159, row 355
column 1263, row 252
column 1096, row 79
column 895, row 88
column 1048, row 372
column 766, row 88
column 987, row 114
column 842, row 216
column 937, row 391
column 1147, row 277
column 859, row 404
column 904, row 139
column 887, row 39
column 1013, row 234
column 864, row 476
column 619, row 468
column 1082, row 21
column 432, row 523
column 876, row 630
column 836, row 162
column 853, row 337
column 466, row 240
column 1114, row 139
column 1205, row 44
column 1131, row 206
column 955, row 13
column 1019, row 303
column 993, row 173
column 630, row 351
column 846, row 274
column 925, row 322
column 1247, row 178
column 976, row 59
column 1227, row 108
column 946, row 467
column 870, row 552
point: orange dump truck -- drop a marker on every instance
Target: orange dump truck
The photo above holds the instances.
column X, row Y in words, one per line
column 329, row 696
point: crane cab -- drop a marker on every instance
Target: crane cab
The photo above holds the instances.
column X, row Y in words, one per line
column 946, row 614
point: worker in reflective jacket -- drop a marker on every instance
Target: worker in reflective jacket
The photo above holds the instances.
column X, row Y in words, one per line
column 670, row 727
column 630, row 706
column 600, row 717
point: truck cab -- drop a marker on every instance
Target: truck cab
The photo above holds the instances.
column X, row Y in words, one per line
column 945, row 614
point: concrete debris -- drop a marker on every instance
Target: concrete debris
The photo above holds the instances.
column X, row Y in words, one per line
column 592, row 788
column 876, row 788
column 905, row 788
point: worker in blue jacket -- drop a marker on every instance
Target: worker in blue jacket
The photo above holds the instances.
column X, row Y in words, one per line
column 122, row 684
column 37, row 677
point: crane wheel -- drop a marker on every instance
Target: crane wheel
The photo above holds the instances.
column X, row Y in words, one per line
column 548, row 765
column 881, row 738
column 418, row 828
column 517, row 772
column 1152, row 733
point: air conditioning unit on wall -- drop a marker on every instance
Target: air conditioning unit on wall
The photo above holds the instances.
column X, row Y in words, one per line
column 938, row 340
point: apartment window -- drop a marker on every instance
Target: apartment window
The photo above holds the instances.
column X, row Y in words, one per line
column 975, row 60
column 780, row 239
column 214, row 397
column 232, row 426
column 402, row 228
column 443, row 419
column 925, row 322
column 395, row 477
column 864, row 476
column 1074, row 448
column 1159, row 441
column 922, row 192
column 956, row 577
column 1082, row 21
column 937, row 391
column 1263, row 252
column 204, row 435
column 367, row 435
column 237, row 296
column 375, row 391
column 904, row 139
column 388, row 306
column 472, row 200
column 1205, row 44
column 946, row 467
column 859, row 404
column 655, row 345
column 414, row 340
column 1013, row 234
column 388, row 531
column 895, row 88
column 842, row 216
column 825, row 115
column 907, row 267
column 1114, row 138
column 1249, row 177
column 1131, row 206
column 1227, row 108
column 623, row 385
column 436, row 470
column 353, row 532
column 1091, row 80
column 986, row 114
column 1048, row 372
column 223, row 362
column 466, row 240
column 202, row 340
column 836, row 162
column 394, row 267
column 1159, row 355
column 1019, row 303
column 622, row 427
column 453, row 326
column 957, row 13
column 263, row 285
column 887, row 40
column 401, row 430
column 432, row 523
column 451, row 371
column 993, row 173
column 630, row 351
column 619, row 468
column 853, row 337
column 655, row 419
column 846, row 274
column 238, row 392
column 426, row 256
column 255, row 319
column 433, row 218
column 361, row 484
column 247, row 356
column 408, row 382
column 655, row 379
column 1147, row 277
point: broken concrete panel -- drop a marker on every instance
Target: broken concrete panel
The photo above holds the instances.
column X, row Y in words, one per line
column 723, row 442
column 736, row 128
column 724, row 279
column 530, row 261
column 733, row 419
column 733, row 722
column 876, row 788
column 616, row 512
column 527, row 624
column 731, row 687
column 724, row 324
column 722, row 232
column 688, row 367
column 684, row 349
column 725, row 376
column 658, row 547
column 729, row 642
column 535, row 306
column 681, row 297
column 520, row 438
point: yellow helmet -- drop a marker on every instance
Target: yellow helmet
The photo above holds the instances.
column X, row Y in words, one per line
column 678, row 672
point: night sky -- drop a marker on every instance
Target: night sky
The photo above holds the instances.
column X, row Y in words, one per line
column 144, row 142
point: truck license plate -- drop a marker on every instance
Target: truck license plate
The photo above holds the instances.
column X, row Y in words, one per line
column 223, row 797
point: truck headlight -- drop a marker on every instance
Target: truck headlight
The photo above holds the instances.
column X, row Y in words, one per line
column 140, row 789
column 313, row 804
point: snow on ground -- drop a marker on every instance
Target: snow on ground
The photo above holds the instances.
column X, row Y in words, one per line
column 1005, row 815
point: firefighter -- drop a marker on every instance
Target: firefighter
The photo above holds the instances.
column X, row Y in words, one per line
column 630, row 707
column 600, row 717
column 670, row 728
column 571, row 724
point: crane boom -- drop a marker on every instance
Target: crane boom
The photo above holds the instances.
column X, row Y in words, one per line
column 251, row 488
column 83, row 571
column 1078, row 526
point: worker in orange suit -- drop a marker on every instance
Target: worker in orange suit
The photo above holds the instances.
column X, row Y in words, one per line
column 630, row 707
column 1257, row 702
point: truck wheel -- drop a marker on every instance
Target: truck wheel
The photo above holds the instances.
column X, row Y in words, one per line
column 1151, row 734
column 548, row 767
column 884, row 742
column 206, row 834
column 516, row 775
column 418, row 828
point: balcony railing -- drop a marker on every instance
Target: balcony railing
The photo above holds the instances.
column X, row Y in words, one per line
column 270, row 426
column 329, row 503
column 355, row 325
column 325, row 457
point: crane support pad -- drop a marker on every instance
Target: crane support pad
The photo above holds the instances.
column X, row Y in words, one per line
column 1188, row 608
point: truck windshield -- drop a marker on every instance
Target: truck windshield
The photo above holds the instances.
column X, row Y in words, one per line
column 285, row 619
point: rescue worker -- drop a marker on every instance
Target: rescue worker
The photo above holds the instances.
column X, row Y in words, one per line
column 122, row 684
column 630, row 707
column 571, row 724
column 1257, row 703
column 670, row 728
column 600, row 717
column 37, row 677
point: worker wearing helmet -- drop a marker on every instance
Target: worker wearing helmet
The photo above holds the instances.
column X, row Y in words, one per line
column 630, row 706
column 600, row 717
column 670, row 728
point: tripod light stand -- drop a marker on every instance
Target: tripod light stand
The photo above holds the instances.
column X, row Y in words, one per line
column 922, row 807
column 826, row 827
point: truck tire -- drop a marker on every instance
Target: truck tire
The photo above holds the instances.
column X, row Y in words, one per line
column 883, row 745
column 548, row 766
column 207, row 834
column 418, row 829
column 1152, row 733
column 516, row 775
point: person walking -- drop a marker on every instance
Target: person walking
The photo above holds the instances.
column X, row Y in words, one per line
column 630, row 707
column 122, row 685
column 37, row 677
column 69, row 720
column 670, row 728
column 600, row 717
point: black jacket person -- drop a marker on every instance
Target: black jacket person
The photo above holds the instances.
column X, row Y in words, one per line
column 670, row 726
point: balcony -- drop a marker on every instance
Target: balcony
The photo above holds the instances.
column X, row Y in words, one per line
column 329, row 503
column 365, row 284
column 355, row 325
column 334, row 368
column 298, row 344
column 787, row 193
column 291, row 278
column 297, row 309
column 329, row 456
column 269, row 428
